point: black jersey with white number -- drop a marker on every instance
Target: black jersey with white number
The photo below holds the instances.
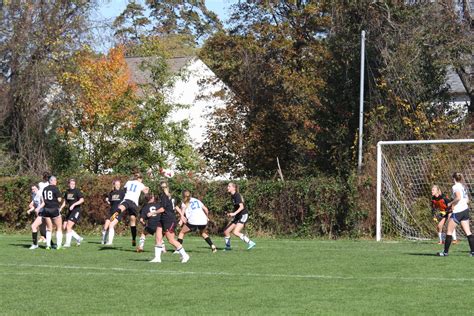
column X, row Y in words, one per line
column 50, row 196
column 149, row 208
column 71, row 196
column 115, row 197
column 236, row 200
column 167, row 203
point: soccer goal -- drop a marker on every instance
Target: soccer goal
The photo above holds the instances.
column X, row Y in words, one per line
column 406, row 171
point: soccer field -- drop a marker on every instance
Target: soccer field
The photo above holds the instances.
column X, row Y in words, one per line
column 279, row 276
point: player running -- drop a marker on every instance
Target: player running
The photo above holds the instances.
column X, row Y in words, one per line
column 460, row 215
column 440, row 211
column 133, row 189
column 51, row 200
column 194, row 216
column 167, row 225
column 150, row 217
column 240, row 217
column 113, row 199
column 73, row 198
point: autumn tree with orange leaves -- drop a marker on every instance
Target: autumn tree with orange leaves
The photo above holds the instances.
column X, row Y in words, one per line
column 99, row 106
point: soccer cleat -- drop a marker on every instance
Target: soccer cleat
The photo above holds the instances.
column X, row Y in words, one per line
column 227, row 248
column 156, row 260
column 455, row 241
column 134, row 243
column 34, row 247
column 139, row 249
column 47, row 248
column 442, row 254
column 440, row 242
column 109, row 244
column 251, row 245
column 185, row 258
column 102, row 242
column 175, row 252
column 66, row 246
column 471, row 254
column 214, row 249
column 79, row 241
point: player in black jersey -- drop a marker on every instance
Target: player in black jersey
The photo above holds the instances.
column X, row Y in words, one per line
column 150, row 217
column 167, row 226
column 240, row 217
column 114, row 198
column 50, row 205
column 73, row 198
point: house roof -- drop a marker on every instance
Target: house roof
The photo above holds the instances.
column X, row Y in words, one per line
column 140, row 76
column 455, row 85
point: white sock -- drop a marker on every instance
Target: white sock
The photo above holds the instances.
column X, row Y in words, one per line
column 111, row 235
column 454, row 235
column 142, row 242
column 181, row 251
column 158, row 251
column 76, row 236
column 68, row 238
column 440, row 235
column 48, row 238
column 104, row 232
column 227, row 241
column 59, row 238
column 244, row 238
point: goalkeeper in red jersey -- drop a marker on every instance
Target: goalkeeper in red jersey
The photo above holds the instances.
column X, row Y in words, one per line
column 441, row 212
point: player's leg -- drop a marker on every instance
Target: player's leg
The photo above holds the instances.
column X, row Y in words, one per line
column 49, row 230
column 69, row 225
column 205, row 236
column 449, row 236
column 237, row 232
column 470, row 238
column 227, row 231
column 58, row 222
column 34, row 231
column 42, row 229
column 114, row 219
column 75, row 219
column 440, row 230
column 184, row 230
column 133, row 229
column 169, row 233
column 104, row 231
column 158, row 244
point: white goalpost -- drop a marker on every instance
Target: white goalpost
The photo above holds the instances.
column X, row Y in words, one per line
column 406, row 171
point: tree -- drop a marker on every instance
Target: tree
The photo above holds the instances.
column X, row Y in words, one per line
column 131, row 25
column 271, row 60
column 101, row 105
column 36, row 41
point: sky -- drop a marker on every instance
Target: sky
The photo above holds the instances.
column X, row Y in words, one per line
column 110, row 9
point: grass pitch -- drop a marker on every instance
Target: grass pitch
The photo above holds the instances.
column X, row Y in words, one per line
column 278, row 276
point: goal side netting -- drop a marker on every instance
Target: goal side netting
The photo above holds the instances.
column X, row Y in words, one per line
column 406, row 172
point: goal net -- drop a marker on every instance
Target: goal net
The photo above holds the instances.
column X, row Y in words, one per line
column 406, row 172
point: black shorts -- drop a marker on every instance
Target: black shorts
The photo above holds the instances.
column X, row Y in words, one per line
column 193, row 228
column 73, row 216
column 461, row 216
column 240, row 219
column 40, row 213
column 439, row 216
column 50, row 212
column 168, row 223
column 130, row 207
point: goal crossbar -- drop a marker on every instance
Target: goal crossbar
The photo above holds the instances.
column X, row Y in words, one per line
column 380, row 144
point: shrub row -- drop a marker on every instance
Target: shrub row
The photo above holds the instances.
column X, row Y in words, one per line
column 313, row 207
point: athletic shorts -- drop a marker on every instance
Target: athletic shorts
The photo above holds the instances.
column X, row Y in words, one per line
column 40, row 213
column 168, row 223
column 439, row 216
column 240, row 219
column 193, row 228
column 130, row 207
column 50, row 212
column 461, row 216
column 73, row 216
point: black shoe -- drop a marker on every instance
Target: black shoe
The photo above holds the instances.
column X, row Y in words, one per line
column 134, row 243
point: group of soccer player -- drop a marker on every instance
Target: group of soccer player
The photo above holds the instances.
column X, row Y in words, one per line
column 157, row 216
column 454, row 212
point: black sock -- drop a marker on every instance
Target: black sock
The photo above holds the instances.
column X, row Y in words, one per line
column 209, row 241
column 133, row 229
column 447, row 243
column 35, row 238
column 470, row 239
column 180, row 241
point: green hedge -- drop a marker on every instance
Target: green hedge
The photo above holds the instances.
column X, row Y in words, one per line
column 313, row 207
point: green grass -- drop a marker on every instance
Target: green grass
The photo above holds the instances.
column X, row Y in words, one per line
column 279, row 276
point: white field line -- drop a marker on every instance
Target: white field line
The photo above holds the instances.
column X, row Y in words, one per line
column 228, row 274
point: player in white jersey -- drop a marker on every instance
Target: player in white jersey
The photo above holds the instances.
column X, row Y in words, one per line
column 133, row 189
column 35, row 202
column 194, row 217
column 460, row 215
